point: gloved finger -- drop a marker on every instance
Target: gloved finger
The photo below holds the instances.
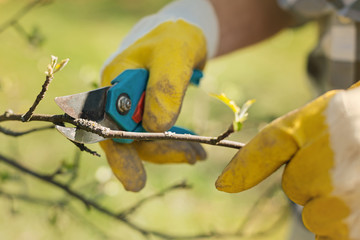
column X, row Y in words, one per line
column 326, row 216
column 308, row 168
column 170, row 69
column 117, row 65
column 125, row 164
column 170, row 151
column 264, row 154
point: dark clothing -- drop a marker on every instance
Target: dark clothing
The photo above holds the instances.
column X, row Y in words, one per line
column 335, row 62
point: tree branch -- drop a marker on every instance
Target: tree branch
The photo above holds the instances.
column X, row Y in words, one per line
column 39, row 97
column 35, row 200
column 225, row 134
column 108, row 133
column 63, row 204
column 91, row 204
column 84, row 148
column 18, row 134
column 87, row 202
column 21, row 13
column 75, row 168
column 140, row 203
column 102, row 131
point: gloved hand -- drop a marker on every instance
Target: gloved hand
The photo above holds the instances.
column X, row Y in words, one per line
column 170, row 48
column 320, row 145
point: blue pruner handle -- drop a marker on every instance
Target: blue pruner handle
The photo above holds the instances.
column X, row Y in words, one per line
column 132, row 84
column 196, row 77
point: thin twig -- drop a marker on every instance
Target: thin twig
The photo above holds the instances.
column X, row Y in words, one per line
column 75, row 168
column 39, row 97
column 80, row 146
column 263, row 199
column 34, row 200
column 9, row 116
column 62, row 169
column 87, row 202
column 18, row 134
column 123, row 215
column 91, row 204
column 52, row 68
column 63, row 204
column 140, row 203
column 59, row 170
column 43, row 177
column 282, row 217
column 21, row 13
column 84, row 148
column 90, row 226
column 19, row 28
column 225, row 134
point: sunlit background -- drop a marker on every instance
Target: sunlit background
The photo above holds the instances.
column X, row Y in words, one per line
column 87, row 32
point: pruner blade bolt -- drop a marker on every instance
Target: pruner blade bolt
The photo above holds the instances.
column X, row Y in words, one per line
column 123, row 104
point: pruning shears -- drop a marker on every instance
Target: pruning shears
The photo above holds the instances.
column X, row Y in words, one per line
column 118, row 107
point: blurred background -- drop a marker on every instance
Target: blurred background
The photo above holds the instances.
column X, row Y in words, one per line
column 87, row 32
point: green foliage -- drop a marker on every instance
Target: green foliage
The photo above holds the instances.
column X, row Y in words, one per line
column 240, row 114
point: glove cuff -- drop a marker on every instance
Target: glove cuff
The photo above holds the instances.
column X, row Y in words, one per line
column 197, row 12
column 343, row 120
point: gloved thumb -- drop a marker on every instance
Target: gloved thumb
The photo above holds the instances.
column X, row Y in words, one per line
column 263, row 155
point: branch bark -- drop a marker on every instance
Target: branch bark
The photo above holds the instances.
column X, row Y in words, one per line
column 38, row 99
column 108, row 133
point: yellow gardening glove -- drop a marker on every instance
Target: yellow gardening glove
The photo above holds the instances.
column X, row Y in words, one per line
column 170, row 52
column 320, row 145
